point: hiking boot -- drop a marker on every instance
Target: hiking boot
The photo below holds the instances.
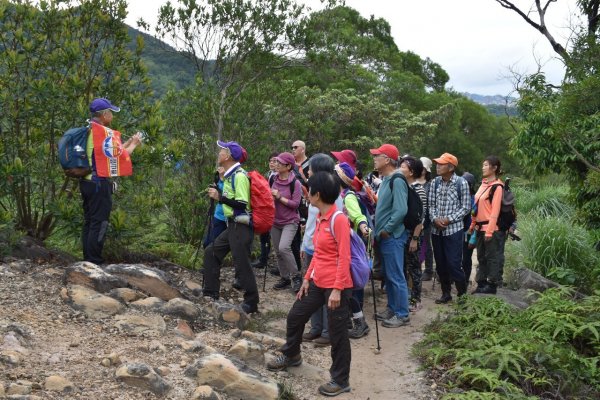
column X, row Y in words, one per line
column 446, row 296
column 282, row 361
column 282, row 284
column 461, row 288
column 427, row 276
column 322, row 341
column 331, row 389
column 296, row 283
column 309, row 336
column 237, row 285
column 359, row 329
column 383, row 315
column 259, row 264
column 274, row 271
column 490, row 288
column 249, row 308
column 480, row 286
column 395, row 322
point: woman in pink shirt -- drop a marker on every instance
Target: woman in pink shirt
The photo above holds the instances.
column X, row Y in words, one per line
column 327, row 281
column 488, row 201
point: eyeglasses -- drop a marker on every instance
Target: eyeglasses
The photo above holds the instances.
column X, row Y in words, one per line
column 295, row 147
column 380, row 155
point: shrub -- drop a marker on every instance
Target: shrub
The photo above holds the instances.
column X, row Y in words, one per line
column 551, row 200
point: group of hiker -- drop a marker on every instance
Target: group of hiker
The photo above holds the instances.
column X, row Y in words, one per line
column 323, row 205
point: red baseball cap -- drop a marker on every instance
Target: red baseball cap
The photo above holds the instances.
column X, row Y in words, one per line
column 345, row 156
column 388, row 150
column 447, row 158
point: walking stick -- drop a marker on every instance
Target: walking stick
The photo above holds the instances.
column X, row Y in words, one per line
column 370, row 252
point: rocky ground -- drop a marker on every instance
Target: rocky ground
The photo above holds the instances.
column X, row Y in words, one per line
column 76, row 332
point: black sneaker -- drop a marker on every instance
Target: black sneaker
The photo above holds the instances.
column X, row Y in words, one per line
column 332, row 388
column 359, row 329
column 283, row 283
column 259, row 264
column 249, row 308
column 296, row 283
column 274, row 271
column 282, row 361
column 237, row 285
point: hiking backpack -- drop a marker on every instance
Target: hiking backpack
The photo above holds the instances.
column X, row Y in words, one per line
column 414, row 212
column 261, row 201
column 364, row 209
column 72, row 152
column 508, row 213
column 359, row 263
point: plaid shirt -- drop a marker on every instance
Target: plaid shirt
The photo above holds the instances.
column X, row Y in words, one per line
column 450, row 200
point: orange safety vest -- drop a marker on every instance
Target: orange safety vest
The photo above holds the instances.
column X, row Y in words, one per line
column 110, row 158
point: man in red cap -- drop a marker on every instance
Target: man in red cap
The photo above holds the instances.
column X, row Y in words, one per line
column 449, row 201
column 390, row 234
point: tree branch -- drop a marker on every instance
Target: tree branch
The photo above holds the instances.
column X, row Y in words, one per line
column 581, row 158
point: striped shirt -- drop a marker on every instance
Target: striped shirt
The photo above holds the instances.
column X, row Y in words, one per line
column 449, row 200
column 423, row 196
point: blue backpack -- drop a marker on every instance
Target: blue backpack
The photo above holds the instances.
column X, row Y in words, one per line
column 359, row 263
column 72, row 152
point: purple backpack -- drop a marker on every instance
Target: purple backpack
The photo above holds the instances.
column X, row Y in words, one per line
column 359, row 263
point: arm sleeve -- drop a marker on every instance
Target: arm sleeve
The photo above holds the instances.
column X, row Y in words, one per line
column 235, row 204
column 465, row 203
column 495, row 212
column 342, row 234
column 433, row 211
column 294, row 201
column 241, row 197
column 354, row 213
column 400, row 206
column 309, row 232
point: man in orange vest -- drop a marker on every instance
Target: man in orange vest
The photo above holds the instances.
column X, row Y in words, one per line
column 108, row 157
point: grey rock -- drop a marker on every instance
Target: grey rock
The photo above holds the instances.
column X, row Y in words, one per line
column 205, row 392
column 149, row 303
column 528, row 279
column 144, row 377
column 230, row 314
column 181, row 308
column 140, row 325
column 150, row 280
column 57, row 383
column 90, row 275
column 247, row 351
column 126, row 295
column 92, row 303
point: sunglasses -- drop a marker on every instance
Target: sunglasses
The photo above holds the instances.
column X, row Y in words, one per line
column 295, row 147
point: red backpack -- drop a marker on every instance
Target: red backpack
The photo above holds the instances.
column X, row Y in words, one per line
column 261, row 201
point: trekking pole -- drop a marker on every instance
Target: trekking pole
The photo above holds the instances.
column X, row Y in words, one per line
column 370, row 252
column 266, row 267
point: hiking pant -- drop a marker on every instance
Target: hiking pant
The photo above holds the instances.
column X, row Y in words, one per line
column 265, row 247
column 357, row 300
column 489, row 257
column 467, row 259
column 318, row 320
column 392, row 262
column 447, row 251
column 282, row 242
column 426, row 252
column 218, row 226
column 97, row 204
column 412, row 271
column 237, row 238
column 296, row 244
column 338, row 329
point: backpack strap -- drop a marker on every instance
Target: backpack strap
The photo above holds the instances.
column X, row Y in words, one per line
column 335, row 214
column 238, row 169
column 493, row 190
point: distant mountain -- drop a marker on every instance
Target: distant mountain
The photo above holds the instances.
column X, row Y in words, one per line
column 166, row 67
column 497, row 105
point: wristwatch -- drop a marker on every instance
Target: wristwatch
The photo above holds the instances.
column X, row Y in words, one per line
column 415, row 238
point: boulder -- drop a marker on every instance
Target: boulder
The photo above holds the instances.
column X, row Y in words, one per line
column 181, row 308
column 192, row 285
column 57, row 383
column 92, row 303
column 92, row 276
column 205, row 392
column 528, row 279
column 230, row 314
column 263, row 339
column 222, row 374
column 149, row 280
column 247, row 351
column 196, row 346
column 184, row 330
column 149, row 303
column 125, row 295
column 11, row 342
column 140, row 325
column 143, row 377
column 18, row 389
column 10, row 358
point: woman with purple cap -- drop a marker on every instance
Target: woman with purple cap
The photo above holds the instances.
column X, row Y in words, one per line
column 358, row 221
column 287, row 193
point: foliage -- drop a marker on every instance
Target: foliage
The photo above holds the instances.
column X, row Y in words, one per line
column 550, row 350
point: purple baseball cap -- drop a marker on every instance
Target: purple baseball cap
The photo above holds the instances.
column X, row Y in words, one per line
column 286, row 158
column 101, row 104
column 234, row 148
column 345, row 172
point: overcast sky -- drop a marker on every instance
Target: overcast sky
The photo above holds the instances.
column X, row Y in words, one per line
column 475, row 41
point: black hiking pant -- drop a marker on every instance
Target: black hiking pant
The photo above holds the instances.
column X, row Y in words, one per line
column 299, row 315
column 97, row 204
column 237, row 238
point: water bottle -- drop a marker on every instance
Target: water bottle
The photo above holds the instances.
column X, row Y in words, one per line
column 473, row 240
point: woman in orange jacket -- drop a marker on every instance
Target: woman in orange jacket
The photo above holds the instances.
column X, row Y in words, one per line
column 488, row 201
